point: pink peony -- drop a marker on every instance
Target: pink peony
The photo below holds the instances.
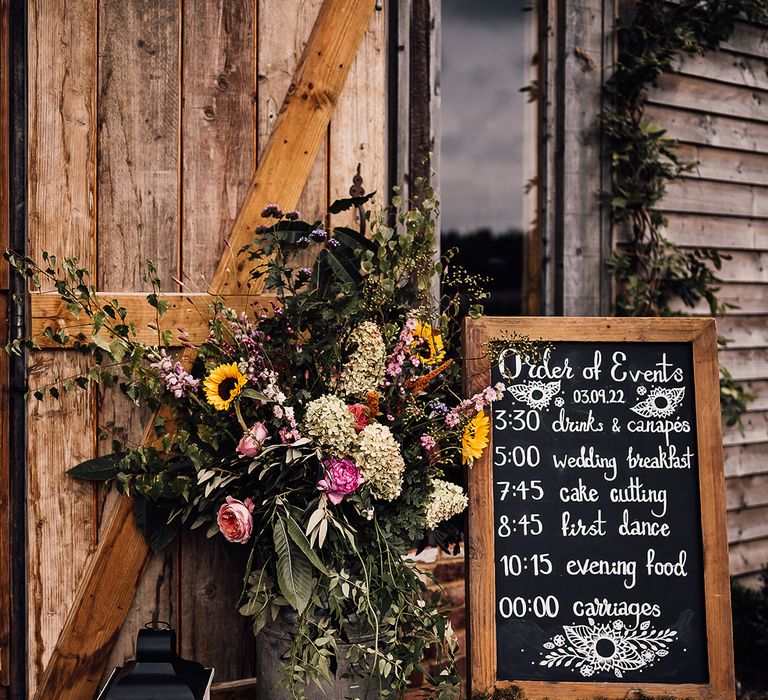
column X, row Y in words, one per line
column 235, row 521
column 253, row 441
column 342, row 477
column 360, row 413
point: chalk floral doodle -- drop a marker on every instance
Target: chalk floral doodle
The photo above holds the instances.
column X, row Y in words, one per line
column 660, row 402
column 537, row 395
column 607, row 647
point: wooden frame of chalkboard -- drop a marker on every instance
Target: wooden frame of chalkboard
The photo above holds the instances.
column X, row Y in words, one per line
column 481, row 607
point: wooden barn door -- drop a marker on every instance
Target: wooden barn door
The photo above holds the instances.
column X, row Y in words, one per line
column 146, row 120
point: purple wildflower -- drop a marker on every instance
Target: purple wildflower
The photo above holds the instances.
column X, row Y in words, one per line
column 176, row 379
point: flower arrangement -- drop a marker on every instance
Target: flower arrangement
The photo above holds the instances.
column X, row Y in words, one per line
column 325, row 435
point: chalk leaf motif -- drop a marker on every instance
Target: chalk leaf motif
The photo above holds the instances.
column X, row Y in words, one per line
column 608, row 647
column 536, row 395
column 660, row 402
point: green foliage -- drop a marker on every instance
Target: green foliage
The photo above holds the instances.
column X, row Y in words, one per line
column 336, row 568
column 650, row 271
column 750, row 630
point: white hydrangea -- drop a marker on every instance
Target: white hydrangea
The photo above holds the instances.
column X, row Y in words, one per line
column 447, row 500
column 328, row 422
column 364, row 370
column 377, row 454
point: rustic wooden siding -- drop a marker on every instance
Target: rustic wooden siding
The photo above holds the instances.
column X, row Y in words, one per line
column 146, row 120
column 716, row 105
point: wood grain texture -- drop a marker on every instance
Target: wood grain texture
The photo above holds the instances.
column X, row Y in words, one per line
column 81, row 650
column 710, row 129
column 701, row 333
column 235, row 690
column 731, row 233
column 358, row 134
column 284, row 27
column 300, row 127
column 725, row 165
column 744, row 460
column 716, row 199
column 189, row 312
column 747, row 524
column 138, row 141
column 710, row 97
column 138, row 116
column 748, row 557
column 62, row 220
column 727, row 67
column 218, row 128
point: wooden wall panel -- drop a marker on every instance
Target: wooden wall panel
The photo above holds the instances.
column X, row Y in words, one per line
column 218, row 117
column 717, row 106
column 358, row 130
column 283, row 29
column 218, row 145
column 62, row 201
column 138, row 170
column 138, row 140
column 146, row 121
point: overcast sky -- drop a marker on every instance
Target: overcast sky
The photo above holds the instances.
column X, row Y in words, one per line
column 483, row 68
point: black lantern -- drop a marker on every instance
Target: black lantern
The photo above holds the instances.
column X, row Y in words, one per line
column 158, row 673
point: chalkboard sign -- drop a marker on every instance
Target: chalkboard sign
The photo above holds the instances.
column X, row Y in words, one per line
column 597, row 543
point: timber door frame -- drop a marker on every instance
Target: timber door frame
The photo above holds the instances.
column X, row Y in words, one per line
column 114, row 570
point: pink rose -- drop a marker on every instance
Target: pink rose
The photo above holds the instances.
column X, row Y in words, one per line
column 360, row 413
column 253, row 441
column 235, row 521
column 342, row 477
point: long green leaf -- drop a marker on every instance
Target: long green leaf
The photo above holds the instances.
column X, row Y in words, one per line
column 294, row 572
column 300, row 540
column 99, row 468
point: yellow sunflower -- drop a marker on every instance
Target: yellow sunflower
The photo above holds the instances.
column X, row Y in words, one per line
column 222, row 385
column 475, row 438
column 431, row 351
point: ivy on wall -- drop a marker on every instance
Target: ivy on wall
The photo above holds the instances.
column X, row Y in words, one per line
column 652, row 272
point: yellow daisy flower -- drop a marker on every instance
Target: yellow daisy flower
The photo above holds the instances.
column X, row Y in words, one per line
column 222, row 385
column 432, row 350
column 475, row 438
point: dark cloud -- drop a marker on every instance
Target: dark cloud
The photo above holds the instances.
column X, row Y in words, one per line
column 483, row 120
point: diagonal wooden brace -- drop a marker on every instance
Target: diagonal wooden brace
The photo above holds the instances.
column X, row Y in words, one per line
column 109, row 582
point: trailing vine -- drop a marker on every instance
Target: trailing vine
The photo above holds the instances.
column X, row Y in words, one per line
column 651, row 272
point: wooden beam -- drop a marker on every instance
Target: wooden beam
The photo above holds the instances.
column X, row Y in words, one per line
column 299, row 131
column 113, row 573
column 186, row 312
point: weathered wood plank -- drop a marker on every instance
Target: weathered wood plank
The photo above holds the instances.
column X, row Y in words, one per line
column 61, row 510
column 81, row 651
column 358, row 134
column 138, row 140
column 745, row 266
column 716, row 198
column 709, row 129
column 310, row 101
column 235, row 690
column 755, row 430
column 727, row 67
column 746, row 364
column 748, row 39
column 718, row 232
column 138, row 112
column 218, row 128
column 748, row 557
column 746, row 299
column 710, row 97
column 187, row 313
column 726, row 165
column 219, row 153
column 744, row 331
column 61, row 171
column 747, row 524
column 746, row 491
column 743, row 460
column 284, row 29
